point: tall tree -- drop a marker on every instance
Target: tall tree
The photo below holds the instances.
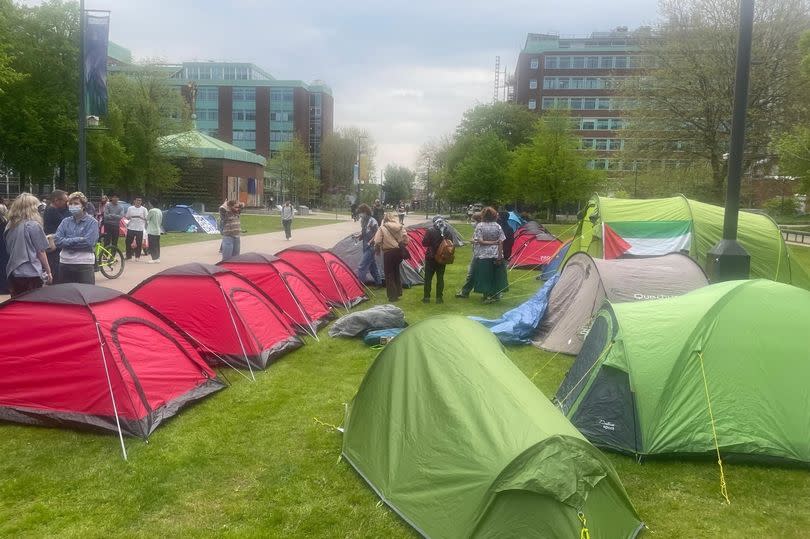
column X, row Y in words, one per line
column 38, row 110
column 293, row 168
column 685, row 100
column 338, row 155
column 129, row 157
column 550, row 171
column 510, row 122
column 480, row 172
column 398, row 184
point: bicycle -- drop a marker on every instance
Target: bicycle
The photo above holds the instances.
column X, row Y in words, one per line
column 109, row 260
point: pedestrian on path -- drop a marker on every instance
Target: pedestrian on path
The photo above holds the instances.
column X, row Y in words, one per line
column 154, row 220
column 489, row 272
column 77, row 236
column 432, row 239
column 287, row 219
column 401, row 213
column 390, row 239
column 27, row 267
column 136, row 214
column 368, row 231
column 378, row 212
column 113, row 213
column 231, row 230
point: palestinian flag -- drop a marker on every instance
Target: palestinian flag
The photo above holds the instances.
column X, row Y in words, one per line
column 645, row 238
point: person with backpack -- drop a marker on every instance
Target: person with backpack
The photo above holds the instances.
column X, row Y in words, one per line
column 489, row 271
column 440, row 252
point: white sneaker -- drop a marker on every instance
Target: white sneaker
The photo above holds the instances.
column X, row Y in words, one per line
column 156, row 261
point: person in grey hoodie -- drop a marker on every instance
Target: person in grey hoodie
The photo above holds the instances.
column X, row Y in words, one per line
column 113, row 213
column 286, row 219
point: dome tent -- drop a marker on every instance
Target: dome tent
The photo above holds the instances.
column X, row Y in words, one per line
column 460, row 443
column 289, row 289
column 234, row 321
column 533, row 247
column 614, row 227
column 641, row 381
column 586, row 282
column 334, row 279
column 95, row 358
column 350, row 251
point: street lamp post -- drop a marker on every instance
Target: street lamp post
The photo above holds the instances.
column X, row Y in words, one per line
column 728, row 259
column 82, row 179
column 427, row 190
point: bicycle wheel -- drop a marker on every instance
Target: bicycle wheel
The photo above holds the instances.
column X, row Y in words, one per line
column 111, row 262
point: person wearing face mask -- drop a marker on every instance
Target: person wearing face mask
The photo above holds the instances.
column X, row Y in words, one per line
column 54, row 214
column 77, row 236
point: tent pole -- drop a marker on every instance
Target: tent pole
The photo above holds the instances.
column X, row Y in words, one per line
column 112, row 395
column 313, row 334
column 236, row 329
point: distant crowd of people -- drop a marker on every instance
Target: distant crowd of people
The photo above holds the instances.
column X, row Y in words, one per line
column 54, row 240
column 378, row 211
column 382, row 232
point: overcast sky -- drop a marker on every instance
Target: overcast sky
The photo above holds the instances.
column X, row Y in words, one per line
column 404, row 70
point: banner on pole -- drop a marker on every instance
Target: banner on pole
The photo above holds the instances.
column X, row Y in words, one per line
column 96, row 38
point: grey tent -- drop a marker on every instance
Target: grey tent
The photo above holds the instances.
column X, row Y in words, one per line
column 586, row 282
column 350, row 251
column 458, row 240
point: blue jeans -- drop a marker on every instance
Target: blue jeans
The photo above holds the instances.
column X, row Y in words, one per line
column 369, row 263
column 230, row 246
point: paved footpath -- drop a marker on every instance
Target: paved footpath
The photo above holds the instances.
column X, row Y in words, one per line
column 326, row 235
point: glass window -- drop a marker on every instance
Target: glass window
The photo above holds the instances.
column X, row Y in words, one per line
column 592, row 62
column 591, row 83
column 606, row 62
column 577, row 82
column 549, row 83
column 589, row 103
column 532, row 104
column 548, row 102
column 534, row 63
column 533, row 84
column 603, row 104
column 207, row 93
column 578, row 62
column 587, row 143
column 614, row 145
column 551, row 62
column 620, row 62
column 576, row 103
column 565, row 62
column 601, row 144
column 562, row 83
column 603, row 124
column 616, row 123
column 588, row 124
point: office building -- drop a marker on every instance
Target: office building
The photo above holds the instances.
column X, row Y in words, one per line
column 582, row 75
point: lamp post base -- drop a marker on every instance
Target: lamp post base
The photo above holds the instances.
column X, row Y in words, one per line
column 727, row 261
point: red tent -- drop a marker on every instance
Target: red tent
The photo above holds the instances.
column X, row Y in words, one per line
column 234, row 322
column 415, row 247
column 289, row 289
column 334, row 279
column 94, row 357
column 533, row 247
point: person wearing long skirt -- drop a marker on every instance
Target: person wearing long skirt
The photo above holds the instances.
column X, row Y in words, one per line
column 489, row 268
column 391, row 238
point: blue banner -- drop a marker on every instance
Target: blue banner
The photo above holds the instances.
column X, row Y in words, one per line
column 96, row 37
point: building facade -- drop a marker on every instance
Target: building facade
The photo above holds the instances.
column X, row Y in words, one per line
column 582, row 75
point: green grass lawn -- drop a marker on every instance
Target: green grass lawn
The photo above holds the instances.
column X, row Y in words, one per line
column 252, row 461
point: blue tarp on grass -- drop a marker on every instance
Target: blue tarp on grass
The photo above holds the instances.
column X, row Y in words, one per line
column 518, row 325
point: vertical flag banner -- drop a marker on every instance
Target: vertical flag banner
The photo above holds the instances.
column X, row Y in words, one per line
column 96, row 37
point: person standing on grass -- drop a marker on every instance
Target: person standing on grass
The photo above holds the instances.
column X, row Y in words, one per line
column 136, row 214
column 27, row 267
column 54, row 214
column 432, row 239
column 468, row 282
column 77, row 236
column 286, row 219
column 389, row 239
column 489, row 271
column 113, row 213
column 503, row 220
column 368, row 231
column 154, row 220
column 231, row 230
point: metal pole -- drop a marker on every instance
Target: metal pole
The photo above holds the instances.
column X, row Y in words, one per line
column 427, row 191
column 635, row 173
column 728, row 259
column 735, row 160
column 82, row 180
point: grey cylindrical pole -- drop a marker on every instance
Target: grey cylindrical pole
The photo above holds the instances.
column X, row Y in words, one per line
column 82, row 180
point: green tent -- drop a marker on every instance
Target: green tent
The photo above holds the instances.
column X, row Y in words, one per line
column 638, row 384
column 455, row 439
column 614, row 227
